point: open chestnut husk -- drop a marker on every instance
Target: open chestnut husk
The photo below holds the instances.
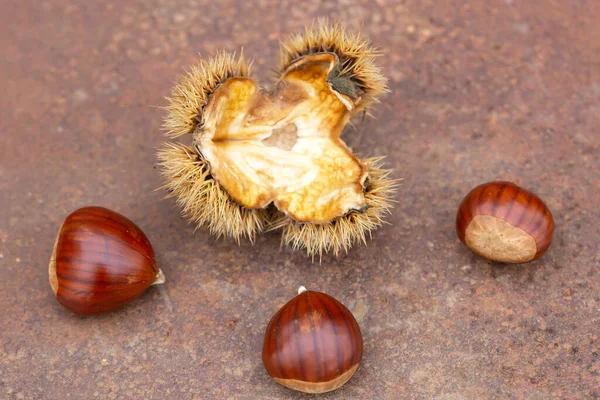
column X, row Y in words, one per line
column 313, row 344
column 101, row 261
column 505, row 223
column 274, row 159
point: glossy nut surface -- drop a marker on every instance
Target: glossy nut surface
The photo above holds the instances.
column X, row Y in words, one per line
column 101, row 261
column 312, row 344
column 504, row 222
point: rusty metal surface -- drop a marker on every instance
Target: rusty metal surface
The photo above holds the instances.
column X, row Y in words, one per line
column 481, row 90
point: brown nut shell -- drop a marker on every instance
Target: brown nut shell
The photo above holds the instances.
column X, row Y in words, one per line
column 505, row 223
column 101, row 261
column 312, row 344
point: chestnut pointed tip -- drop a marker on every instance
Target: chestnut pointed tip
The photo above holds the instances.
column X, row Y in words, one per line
column 160, row 278
column 301, row 289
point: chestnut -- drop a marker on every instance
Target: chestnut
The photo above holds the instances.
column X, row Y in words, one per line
column 504, row 222
column 101, row 261
column 312, row 344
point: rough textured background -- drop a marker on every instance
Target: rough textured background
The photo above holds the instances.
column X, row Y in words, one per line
column 481, row 90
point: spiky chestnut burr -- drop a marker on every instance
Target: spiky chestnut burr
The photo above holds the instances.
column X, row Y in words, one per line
column 312, row 344
column 504, row 222
column 263, row 160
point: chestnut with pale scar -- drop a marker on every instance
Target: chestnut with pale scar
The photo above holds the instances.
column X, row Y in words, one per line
column 264, row 159
column 101, row 261
column 313, row 344
column 504, row 222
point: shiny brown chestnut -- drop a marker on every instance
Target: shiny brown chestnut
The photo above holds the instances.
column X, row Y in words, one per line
column 312, row 344
column 504, row 222
column 101, row 261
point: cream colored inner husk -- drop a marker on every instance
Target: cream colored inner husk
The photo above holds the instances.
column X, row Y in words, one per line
column 284, row 147
column 498, row 240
